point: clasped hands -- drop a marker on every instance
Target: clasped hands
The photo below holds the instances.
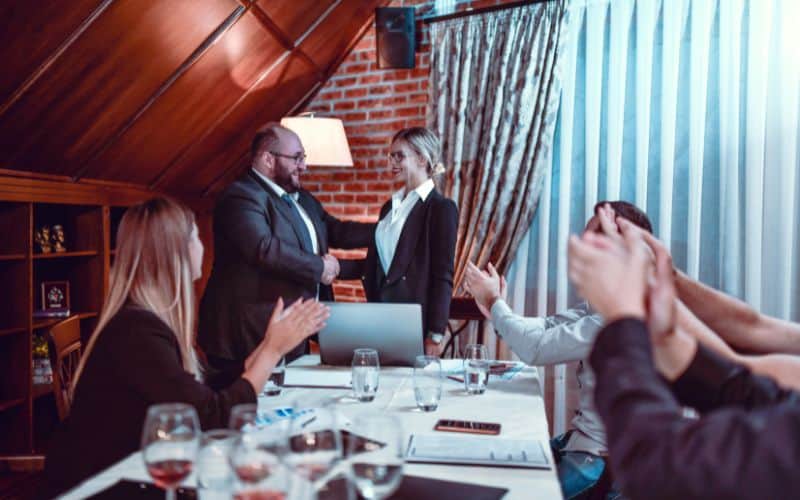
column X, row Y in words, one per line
column 330, row 269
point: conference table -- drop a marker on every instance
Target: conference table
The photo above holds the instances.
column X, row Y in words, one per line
column 517, row 404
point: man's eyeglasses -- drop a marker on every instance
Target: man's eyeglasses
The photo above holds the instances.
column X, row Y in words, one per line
column 297, row 158
column 397, row 156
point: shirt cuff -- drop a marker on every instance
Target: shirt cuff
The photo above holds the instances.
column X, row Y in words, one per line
column 500, row 308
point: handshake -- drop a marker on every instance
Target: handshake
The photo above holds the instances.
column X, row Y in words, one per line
column 330, row 269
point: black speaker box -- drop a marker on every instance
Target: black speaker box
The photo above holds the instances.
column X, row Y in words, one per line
column 395, row 37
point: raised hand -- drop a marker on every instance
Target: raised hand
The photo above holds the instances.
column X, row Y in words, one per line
column 289, row 327
column 611, row 274
column 484, row 287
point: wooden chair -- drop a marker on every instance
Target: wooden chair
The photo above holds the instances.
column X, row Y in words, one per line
column 65, row 342
column 465, row 309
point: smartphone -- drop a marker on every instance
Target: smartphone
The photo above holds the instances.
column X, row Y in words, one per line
column 468, row 427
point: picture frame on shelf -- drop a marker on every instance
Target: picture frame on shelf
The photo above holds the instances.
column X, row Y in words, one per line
column 55, row 300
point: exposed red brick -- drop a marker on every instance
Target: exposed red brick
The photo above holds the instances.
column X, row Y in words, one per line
column 356, row 92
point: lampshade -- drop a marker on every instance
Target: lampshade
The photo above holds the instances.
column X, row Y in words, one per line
column 323, row 139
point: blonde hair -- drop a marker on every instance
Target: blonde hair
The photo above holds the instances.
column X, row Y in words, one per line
column 152, row 270
column 424, row 143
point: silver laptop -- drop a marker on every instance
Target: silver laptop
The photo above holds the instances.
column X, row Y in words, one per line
column 394, row 330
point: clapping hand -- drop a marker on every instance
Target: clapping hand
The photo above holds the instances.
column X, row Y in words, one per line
column 485, row 287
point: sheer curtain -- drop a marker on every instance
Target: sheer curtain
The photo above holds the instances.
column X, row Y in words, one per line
column 689, row 108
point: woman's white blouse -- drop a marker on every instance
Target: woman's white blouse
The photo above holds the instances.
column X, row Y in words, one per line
column 389, row 228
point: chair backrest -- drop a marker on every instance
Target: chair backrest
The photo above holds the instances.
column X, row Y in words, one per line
column 65, row 339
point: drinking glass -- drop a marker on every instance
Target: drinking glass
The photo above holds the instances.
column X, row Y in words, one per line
column 427, row 382
column 275, row 383
column 366, row 373
column 476, row 368
column 170, row 439
column 260, row 471
column 244, row 417
column 273, row 436
column 315, row 444
column 214, row 473
column 378, row 470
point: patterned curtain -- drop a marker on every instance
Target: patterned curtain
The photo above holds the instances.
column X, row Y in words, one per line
column 494, row 90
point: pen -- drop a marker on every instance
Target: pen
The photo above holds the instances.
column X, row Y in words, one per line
column 304, row 424
column 457, row 379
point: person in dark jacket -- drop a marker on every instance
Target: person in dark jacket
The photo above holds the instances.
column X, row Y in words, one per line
column 141, row 352
column 411, row 256
column 271, row 240
column 746, row 441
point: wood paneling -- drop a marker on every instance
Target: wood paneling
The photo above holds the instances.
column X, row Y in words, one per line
column 192, row 104
column 107, row 74
column 161, row 94
column 295, row 18
column 30, row 31
column 203, row 164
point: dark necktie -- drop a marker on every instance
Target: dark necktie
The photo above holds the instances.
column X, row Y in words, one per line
column 300, row 226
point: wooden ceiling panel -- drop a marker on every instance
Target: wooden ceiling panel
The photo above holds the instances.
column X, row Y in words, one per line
column 104, row 78
column 192, row 105
column 296, row 17
column 211, row 157
column 323, row 46
column 22, row 53
column 164, row 94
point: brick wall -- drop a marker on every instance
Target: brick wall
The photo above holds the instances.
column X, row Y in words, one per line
column 373, row 104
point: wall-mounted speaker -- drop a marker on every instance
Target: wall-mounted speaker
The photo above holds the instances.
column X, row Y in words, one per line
column 395, row 37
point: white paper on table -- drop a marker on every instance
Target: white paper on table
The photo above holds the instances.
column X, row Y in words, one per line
column 317, row 377
column 479, row 450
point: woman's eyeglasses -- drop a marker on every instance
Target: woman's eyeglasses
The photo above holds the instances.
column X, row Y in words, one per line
column 396, row 156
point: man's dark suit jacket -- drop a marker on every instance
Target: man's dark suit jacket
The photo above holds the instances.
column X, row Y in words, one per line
column 258, row 258
column 746, row 443
column 422, row 269
column 135, row 363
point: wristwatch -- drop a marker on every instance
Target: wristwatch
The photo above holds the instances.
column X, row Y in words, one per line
column 434, row 337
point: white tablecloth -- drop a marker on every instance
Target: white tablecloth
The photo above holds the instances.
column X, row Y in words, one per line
column 517, row 404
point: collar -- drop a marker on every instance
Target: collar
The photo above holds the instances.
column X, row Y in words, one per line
column 423, row 191
column 278, row 190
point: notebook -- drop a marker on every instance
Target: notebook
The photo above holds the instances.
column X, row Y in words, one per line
column 477, row 450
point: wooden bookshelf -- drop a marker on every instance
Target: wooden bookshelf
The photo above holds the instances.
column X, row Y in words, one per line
column 23, row 268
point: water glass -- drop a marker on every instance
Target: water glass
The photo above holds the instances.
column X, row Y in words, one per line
column 366, row 372
column 170, row 439
column 476, row 368
column 378, row 470
column 427, row 382
column 275, row 382
column 214, row 474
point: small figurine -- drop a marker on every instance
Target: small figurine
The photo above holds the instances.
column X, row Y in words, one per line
column 58, row 238
column 42, row 238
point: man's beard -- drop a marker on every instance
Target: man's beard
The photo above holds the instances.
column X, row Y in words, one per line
column 284, row 179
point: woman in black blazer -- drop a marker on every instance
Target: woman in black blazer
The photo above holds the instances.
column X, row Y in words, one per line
column 411, row 257
column 141, row 352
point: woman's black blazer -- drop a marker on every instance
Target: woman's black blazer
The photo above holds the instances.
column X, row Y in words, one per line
column 422, row 269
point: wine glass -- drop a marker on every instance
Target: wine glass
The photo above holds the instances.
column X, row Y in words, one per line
column 378, row 469
column 258, row 467
column 315, row 444
column 170, row 439
column 476, row 368
column 214, row 474
column 248, row 418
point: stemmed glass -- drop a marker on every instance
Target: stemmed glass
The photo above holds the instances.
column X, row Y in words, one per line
column 271, row 436
column 315, row 445
column 378, row 469
column 170, row 440
column 258, row 467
